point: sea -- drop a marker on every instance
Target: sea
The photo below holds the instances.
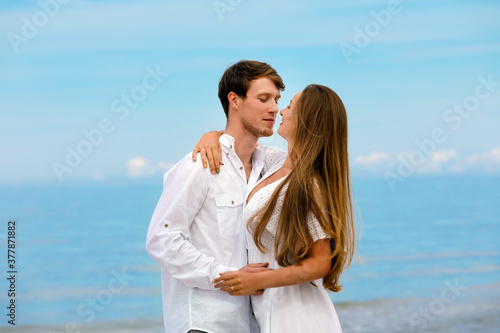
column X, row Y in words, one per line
column 428, row 258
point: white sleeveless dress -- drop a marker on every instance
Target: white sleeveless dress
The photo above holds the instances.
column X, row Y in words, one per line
column 301, row 308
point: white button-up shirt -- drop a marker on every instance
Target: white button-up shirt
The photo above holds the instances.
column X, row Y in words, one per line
column 196, row 232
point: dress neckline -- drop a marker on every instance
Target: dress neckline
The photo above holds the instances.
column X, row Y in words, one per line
column 249, row 199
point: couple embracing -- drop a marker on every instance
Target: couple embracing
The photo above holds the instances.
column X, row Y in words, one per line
column 254, row 242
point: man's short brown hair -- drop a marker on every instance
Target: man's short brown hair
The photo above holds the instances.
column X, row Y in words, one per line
column 237, row 79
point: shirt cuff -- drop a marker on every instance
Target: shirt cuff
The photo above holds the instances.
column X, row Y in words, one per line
column 223, row 269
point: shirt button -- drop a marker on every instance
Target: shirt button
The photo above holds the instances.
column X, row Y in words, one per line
column 231, row 146
column 166, row 225
column 241, row 168
column 232, row 202
column 227, row 154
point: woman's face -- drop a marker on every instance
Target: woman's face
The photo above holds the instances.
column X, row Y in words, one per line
column 287, row 125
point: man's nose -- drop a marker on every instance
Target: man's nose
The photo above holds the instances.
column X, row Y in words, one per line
column 274, row 108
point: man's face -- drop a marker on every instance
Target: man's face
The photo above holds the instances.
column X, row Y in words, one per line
column 258, row 111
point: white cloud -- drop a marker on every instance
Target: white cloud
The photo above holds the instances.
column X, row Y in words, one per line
column 489, row 161
column 97, row 176
column 139, row 167
column 438, row 160
column 493, row 156
column 442, row 156
column 373, row 159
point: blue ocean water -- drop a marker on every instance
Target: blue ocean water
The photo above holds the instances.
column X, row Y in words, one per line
column 81, row 260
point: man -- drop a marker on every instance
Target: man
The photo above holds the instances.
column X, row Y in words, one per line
column 197, row 229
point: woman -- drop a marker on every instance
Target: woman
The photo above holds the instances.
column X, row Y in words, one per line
column 300, row 220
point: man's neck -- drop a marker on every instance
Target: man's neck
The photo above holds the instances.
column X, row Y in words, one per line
column 244, row 145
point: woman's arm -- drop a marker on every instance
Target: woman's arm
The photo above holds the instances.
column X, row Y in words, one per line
column 209, row 147
column 316, row 266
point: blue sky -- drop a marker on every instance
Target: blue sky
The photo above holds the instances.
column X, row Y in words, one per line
column 420, row 81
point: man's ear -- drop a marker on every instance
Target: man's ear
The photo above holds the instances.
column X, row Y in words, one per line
column 233, row 100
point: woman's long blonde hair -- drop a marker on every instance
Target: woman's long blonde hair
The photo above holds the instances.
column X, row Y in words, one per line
column 319, row 184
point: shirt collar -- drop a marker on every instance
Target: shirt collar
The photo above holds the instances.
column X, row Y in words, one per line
column 227, row 141
column 259, row 153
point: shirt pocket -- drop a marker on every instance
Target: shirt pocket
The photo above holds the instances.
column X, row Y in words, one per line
column 229, row 213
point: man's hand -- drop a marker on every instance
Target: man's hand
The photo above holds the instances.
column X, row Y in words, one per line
column 255, row 268
column 241, row 282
